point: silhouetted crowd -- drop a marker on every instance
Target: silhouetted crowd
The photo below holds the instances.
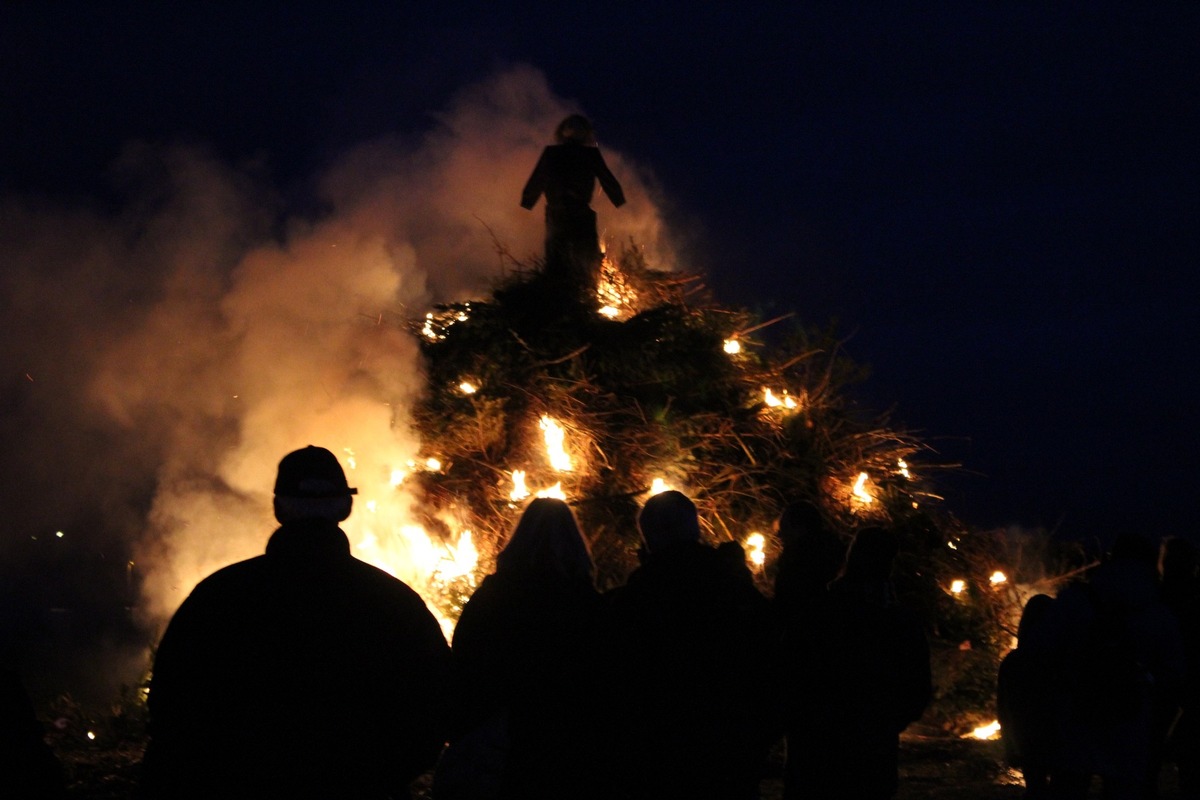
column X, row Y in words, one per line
column 1103, row 682
column 307, row 673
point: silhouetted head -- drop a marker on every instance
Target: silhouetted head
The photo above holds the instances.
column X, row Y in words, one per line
column 871, row 555
column 668, row 519
column 547, row 541
column 1034, row 615
column 575, row 129
column 310, row 484
column 1134, row 547
column 800, row 522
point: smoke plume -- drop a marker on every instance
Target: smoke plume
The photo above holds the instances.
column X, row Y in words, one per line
column 161, row 357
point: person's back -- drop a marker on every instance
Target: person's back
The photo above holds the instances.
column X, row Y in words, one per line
column 300, row 673
column 1028, row 699
column 695, row 636
column 859, row 674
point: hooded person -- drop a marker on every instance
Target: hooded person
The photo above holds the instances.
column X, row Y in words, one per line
column 692, row 629
column 530, row 670
column 300, row 673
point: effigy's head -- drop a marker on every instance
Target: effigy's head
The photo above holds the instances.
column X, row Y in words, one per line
column 575, row 129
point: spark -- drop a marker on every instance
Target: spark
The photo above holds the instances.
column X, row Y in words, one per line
column 555, row 437
column 59, row 534
column 466, row 387
column 903, row 465
column 732, row 346
column 998, row 578
column 350, row 461
column 432, row 464
column 91, row 735
column 958, row 586
column 658, row 486
column 397, row 476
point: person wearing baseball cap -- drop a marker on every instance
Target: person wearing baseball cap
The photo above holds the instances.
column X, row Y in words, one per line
column 300, row 673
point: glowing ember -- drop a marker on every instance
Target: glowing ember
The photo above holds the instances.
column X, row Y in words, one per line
column 519, row 492
column 432, row 464
column 658, row 486
column 756, row 543
column 555, row 437
column 860, row 491
column 983, row 732
column 998, row 578
column 958, row 586
column 350, row 462
column 903, row 466
column 952, row 545
column 786, row 401
column 435, row 325
column 733, row 346
column 91, row 735
column 615, row 295
column 466, row 387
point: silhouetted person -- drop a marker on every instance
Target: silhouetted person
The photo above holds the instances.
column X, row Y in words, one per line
column 695, row 647
column 1180, row 570
column 859, row 676
column 566, row 174
column 1125, row 666
column 529, row 666
column 810, row 559
column 1028, row 698
column 29, row 769
column 301, row 673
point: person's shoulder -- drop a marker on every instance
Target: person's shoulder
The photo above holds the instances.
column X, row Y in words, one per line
column 239, row 573
column 382, row 581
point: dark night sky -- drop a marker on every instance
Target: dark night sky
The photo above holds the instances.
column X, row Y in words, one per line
column 998, row 202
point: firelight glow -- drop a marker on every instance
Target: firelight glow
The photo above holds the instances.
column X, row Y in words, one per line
column 519, row 491
column 860, row 491
column 786, row 401
column 658, row 486
column 756, row 543
column 983, row 732
column 555, row 437
column 555, row 491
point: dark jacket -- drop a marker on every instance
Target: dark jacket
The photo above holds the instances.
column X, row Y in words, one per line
column 858, row 673
column 567, row 175
column 302, row 673
column 695, row 642
column 531, row 647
